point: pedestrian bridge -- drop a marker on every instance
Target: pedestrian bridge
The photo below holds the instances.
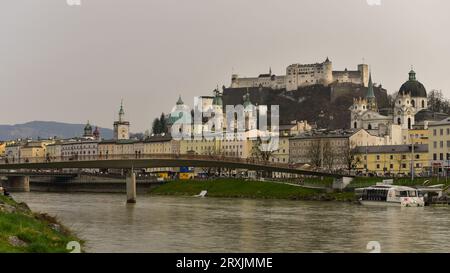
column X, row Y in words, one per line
column 11, row 168
column 155, row 161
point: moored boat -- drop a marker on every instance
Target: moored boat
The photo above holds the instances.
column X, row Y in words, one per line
column 389, row 195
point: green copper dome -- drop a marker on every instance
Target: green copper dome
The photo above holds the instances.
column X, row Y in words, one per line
column 217, row 98
column 413, row 87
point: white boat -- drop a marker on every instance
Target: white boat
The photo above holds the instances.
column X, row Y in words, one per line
column 389, row 195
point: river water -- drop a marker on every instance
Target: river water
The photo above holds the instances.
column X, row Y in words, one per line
column 189, row 224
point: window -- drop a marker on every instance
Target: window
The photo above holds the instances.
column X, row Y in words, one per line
column 441, row 132
column 403, row 166
column 417, row 156
column 434, row 132
column 441, row 144
column 378, row 166
column 441, row 156
column 378, row 157
column 434, row 144
column 434, row 157
column 403, row 156
column 391, row 166
column 391, row 157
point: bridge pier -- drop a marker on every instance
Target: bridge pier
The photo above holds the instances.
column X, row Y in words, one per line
column 131, row 187
column 341, row 183
column 18, row 183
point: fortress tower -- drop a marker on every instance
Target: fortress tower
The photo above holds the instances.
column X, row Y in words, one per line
column 364, row 70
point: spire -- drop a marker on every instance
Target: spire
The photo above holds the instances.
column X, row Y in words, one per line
column 270, row 70
column 370, row 93
column 121, row 111
column 180, row 101
column 370, row 96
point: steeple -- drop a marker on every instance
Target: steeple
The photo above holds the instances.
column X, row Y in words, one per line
column 370, row 96
column 87, row 130
column 180, row 101
column 121, row 127
column 121, row 112
column 217, row 97
column 370, row 93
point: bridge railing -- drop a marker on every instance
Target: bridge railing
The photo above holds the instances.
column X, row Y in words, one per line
column 77, row 158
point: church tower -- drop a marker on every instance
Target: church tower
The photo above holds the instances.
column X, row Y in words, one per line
column 250, row 113
column 404, row 111
column 88, row 131
column 370, row 96
column 121, row 127
column 217, row 105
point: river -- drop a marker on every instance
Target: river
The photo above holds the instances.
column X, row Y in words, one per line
column 188, row 224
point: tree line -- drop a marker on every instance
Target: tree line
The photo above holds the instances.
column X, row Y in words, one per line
column 159, row 125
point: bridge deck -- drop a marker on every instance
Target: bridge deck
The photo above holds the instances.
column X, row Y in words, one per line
column 155, row 161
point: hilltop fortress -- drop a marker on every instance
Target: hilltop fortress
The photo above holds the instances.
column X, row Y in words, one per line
column 301, row 75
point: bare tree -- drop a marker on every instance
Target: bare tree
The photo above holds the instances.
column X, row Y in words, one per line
column 314, row 153
column 329, row 155
column 262, row 154
column 349, row 158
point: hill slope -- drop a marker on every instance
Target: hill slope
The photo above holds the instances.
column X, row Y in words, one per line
column 46, row 129
column 327, row 106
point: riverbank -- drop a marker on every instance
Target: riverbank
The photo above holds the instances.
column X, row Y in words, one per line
column 22, row 230
column 238, row 188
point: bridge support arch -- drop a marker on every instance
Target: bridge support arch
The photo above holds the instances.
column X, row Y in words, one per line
column 18, row 183
column 131, row 187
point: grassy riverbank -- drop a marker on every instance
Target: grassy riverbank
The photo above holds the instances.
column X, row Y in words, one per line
column 22, row 230
column 229, row 187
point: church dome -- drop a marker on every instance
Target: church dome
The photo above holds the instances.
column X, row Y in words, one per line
column 413, row 87
column 88, row 127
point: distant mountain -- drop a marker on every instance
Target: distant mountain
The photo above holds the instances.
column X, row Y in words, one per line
column 46, row 129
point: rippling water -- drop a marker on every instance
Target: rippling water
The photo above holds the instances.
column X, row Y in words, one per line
column 188, row 224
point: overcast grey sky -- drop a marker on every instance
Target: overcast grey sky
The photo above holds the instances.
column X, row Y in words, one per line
column 75, row 63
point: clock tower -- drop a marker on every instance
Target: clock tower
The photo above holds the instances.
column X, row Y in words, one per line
column 121, row 127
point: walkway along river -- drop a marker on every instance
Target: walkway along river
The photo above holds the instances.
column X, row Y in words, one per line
column 188, row 224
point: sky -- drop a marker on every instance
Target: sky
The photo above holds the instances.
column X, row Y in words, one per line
column 73, row 63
